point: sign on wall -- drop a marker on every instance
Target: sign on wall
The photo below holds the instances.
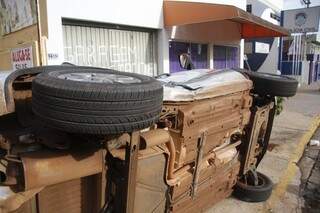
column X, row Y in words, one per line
column 302, row 20
column 261, row 47
column 22, row 58
column 16, row 14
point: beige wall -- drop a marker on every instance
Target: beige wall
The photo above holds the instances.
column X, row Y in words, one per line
column 220, row 32
column 25, row 37
column 225, row 33
column 22, row 38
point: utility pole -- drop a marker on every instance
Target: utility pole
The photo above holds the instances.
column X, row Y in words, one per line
column 306, row 2
column 305, row 43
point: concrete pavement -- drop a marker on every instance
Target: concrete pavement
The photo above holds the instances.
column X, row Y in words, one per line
column 291, row 132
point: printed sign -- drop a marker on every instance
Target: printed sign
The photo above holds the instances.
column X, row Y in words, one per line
column 53, row 56
column 22, row 58
column 262, row 48
column 302, row 20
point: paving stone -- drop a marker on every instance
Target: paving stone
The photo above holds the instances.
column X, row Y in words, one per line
column 317, row 165
column 311, row 186
column 311, row 191
column 312, row 153
column 306, row 166
column 315, row 178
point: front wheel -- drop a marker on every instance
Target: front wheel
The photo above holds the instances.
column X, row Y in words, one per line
column 249, row 192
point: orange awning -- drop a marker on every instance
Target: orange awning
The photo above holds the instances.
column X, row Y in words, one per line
column 185, row 13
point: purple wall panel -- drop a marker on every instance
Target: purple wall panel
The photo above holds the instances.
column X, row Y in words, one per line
column 199, row 55
column 198, row 52
column 176, row 49
column 225, row 57
column 233, row 57
column 219, row 57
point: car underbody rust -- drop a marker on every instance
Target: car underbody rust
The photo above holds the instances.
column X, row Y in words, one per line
column 194, row 153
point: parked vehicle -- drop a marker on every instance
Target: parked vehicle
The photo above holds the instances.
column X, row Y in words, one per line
column 84, row 139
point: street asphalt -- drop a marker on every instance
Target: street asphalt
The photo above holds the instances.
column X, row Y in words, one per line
column 292, row 130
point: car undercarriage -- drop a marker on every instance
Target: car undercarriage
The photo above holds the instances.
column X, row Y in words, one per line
column 177, row 143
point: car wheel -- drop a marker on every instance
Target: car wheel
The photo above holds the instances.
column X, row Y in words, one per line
column 96, row 101
column 251, row 193
column 271, row 84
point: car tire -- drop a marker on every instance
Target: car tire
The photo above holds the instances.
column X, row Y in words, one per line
column 272, row 84
column 97, row 101
column 251, row 193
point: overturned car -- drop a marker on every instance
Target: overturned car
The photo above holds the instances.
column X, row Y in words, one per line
column 84, row 139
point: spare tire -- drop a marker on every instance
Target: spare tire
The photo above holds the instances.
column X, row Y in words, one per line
column 272, row 84
column 96, row 101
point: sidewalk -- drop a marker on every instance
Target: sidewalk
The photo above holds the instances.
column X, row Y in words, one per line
column 291, row 131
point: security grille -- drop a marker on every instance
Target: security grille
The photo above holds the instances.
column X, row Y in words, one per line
column 123, row 50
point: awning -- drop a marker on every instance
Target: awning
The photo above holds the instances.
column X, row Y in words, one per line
column 186, row 13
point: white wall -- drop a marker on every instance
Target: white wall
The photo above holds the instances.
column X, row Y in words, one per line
column 305, row 73
column 144, row 13
column 295, row 4
column 140, row 13
column 270, row 64
column 263, row 8
column 163, row 52
column 276, row 5
column 238, row 3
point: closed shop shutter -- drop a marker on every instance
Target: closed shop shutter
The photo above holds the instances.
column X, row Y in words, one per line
column 123, row 50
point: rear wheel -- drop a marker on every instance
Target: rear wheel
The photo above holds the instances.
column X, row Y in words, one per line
column 96, row 101
column 271, row 84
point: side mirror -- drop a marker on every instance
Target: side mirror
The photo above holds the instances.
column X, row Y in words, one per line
column 185, row 61
column 245, row 58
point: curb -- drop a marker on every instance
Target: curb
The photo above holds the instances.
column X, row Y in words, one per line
column 280, row 189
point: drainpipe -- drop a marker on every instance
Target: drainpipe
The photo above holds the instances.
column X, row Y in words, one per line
column 40, row 48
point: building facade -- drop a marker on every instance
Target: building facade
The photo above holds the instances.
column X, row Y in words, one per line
column 121, row 34
column 300, row 52
column 263, row 54
column 128, row 37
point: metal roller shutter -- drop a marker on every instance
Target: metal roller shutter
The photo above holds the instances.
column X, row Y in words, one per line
column 123, row 50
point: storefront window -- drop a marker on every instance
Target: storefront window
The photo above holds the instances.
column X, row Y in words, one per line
column 225, row 57
column 198, row 52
